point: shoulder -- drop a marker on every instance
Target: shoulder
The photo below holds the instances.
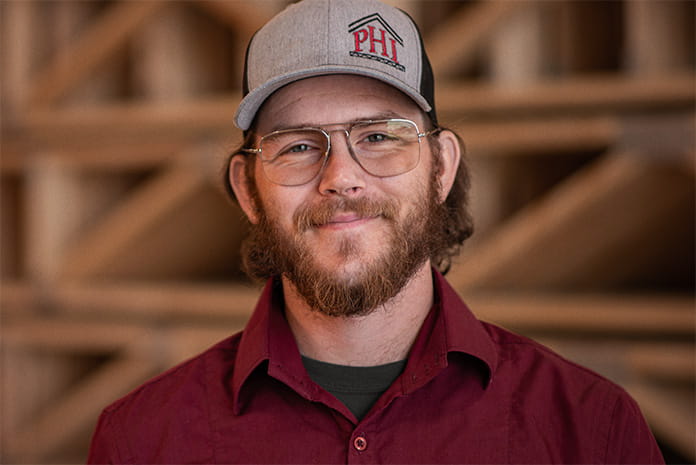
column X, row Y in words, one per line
column 525, row 356
column 186, row 376
column 551, row 394
column 174, row 404
column 540, row 377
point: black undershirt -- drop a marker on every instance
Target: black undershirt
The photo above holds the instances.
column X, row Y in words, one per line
column 357, row 387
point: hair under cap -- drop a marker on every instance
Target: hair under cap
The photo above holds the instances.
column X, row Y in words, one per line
column 320, row 37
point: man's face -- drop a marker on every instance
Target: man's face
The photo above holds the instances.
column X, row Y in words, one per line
column 348, row 241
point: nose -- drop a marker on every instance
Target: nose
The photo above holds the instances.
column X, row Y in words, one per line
column 342, row 175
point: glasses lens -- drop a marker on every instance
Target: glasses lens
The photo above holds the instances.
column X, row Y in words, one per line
column 293, row 157
column 386, row 148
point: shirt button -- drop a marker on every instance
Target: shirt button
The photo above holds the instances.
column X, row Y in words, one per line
column 360, row 443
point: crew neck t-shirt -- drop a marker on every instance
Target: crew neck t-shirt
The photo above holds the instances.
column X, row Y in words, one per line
column 357, row 387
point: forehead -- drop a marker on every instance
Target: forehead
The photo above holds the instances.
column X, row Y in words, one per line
column 334, row 99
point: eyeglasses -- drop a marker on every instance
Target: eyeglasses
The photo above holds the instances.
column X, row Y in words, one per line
column 383, row 148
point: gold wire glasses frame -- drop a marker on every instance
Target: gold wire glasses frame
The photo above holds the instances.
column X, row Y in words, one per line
column 383, row 148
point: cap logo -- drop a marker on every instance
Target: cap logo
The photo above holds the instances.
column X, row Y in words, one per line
column 375, row 39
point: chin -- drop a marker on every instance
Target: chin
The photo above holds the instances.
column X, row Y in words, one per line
column 342, row 269
column 346, row 271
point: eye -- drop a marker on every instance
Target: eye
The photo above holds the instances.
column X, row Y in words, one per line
column 379, row 137
column 298, row 152
column 375, row 137
column 298, row 148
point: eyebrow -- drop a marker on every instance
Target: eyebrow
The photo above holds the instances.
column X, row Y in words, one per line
column 377, row 116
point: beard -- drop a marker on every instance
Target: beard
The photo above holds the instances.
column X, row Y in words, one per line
column 270, row 251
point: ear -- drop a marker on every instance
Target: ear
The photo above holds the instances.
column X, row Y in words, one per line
column 241, row 185
column 450, row 153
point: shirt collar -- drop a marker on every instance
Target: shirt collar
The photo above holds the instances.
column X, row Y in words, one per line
column 449, row 327
column 267, row 338
column 462, row 331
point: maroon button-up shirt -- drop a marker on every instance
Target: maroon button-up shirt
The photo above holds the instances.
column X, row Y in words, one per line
column 470, row 393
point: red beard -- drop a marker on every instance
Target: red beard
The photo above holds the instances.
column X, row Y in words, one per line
column 270, row 251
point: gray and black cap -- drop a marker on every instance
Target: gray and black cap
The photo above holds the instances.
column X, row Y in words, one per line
column 320, row 37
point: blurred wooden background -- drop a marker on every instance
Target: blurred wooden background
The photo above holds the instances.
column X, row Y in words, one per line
column 119, row 248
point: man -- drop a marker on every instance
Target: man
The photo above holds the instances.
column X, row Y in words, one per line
column 358, row 350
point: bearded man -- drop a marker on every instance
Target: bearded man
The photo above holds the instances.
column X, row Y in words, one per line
column 358, row 350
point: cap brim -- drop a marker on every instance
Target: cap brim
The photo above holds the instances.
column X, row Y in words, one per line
column 250, row 104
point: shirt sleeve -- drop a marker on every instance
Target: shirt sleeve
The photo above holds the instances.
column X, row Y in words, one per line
column 630, row 439
column 103, row 449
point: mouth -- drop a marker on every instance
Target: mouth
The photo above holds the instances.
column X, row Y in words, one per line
column 344, row 214
column 345, row 221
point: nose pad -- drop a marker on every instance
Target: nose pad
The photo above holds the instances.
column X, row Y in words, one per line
column 341, row 174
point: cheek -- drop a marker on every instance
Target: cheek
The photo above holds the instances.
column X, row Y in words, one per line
column 265, row 191
column 412, row 189
column 279, row 204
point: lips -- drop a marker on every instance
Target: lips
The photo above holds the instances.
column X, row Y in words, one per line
column 346, row 220
column 343, row 213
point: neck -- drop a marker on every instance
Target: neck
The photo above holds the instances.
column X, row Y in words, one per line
column 384, row 335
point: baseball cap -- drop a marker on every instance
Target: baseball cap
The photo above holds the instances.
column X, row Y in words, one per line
column 320, row 37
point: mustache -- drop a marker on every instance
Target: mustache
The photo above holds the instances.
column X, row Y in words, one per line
column 309, row 216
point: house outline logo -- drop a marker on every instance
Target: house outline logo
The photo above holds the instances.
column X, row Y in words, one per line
column 377, row 42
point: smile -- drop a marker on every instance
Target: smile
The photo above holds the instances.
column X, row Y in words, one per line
column 346, row 221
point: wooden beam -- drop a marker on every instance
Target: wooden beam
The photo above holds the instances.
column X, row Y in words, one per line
column 200, row 235
column 603, row 313
column 517, row 53
column 120, row 157
column 162, row 301
column 670, row 362
column 636, row 359
column 105, row 35
column 534, row 136
column 179, row 55
column 658, row 37
column 62, row 335
column 16, row 294
column 600, row 313
column 80, row 334
column 24, row 42
column 540, row 136
column 97, row 249
column 245, row 18
column 135, row 121
column 454, row 44
column 664, row 135
column 67, row 21
column 132, row 300
column 53, row 211
column 115, row 159
column 460, row 102
column 557, row 241
column 580, row 93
